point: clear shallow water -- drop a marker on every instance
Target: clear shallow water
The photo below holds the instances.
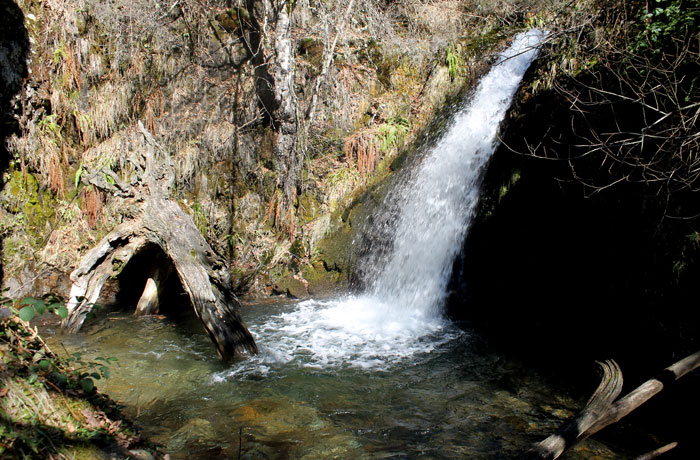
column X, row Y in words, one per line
column 348, row 391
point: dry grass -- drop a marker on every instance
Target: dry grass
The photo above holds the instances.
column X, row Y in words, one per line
column 281, row 214
column 361, row 149
column 55, row 177
column 91, row 205
column 109, row 107
column 32, row 405
column 61, row 248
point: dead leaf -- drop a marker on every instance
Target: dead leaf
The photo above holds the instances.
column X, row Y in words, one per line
column 91, row 420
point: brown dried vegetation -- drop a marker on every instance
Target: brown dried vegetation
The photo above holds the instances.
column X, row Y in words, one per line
column 361, row 149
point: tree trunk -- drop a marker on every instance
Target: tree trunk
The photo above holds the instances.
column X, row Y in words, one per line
column 161, row 222
column 271, row 45
column 284, row 150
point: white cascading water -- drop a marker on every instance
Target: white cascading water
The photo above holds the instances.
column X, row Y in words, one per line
column 400, row 314
column 437, row 207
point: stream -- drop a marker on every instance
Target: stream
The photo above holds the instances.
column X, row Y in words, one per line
column 308, row 396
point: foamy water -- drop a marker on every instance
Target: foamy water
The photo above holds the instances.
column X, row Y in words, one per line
column 357, row 331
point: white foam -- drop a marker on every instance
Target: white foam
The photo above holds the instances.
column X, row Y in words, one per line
column 358, row 331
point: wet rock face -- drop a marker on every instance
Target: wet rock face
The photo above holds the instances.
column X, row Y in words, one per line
column 14, row 50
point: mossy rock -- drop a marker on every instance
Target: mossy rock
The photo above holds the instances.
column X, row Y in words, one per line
column 291, row 287
column 242, row 277
column 334, row 249
column 26, row 197
column 309, row 208
column 298, row 249
column 321, row 281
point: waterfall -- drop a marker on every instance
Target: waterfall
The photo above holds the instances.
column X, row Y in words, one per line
column 437, row 205
column 399, row 315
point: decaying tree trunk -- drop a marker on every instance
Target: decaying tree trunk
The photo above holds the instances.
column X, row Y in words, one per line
column 161, row 222
column 148, row 302
column 601, row 411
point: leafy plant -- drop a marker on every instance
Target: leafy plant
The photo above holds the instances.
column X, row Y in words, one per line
column 664, row 22
column 454, row 61
column 48, row 125
column 86, row 372
column 78, row 174
column 29, row 307
column 59, row 53
column 688, row 255
column 73, row 372
column 392, row 132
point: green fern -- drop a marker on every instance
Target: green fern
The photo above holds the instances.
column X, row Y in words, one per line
column 392, row 132
column 454, row 61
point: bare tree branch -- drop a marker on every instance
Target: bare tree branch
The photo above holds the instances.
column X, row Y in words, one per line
column 604, row 413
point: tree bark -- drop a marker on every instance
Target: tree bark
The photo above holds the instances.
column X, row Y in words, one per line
column 608, row 389
column 148, row 302
column 655, row 453
column 284, row 150
column 161, row 222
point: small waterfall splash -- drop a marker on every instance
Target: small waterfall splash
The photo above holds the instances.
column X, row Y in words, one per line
column 436, row 207
column 399, row 315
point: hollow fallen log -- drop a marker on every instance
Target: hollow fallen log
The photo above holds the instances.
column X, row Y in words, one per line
column 610, row 412
column 161, row 222
column 202, row 273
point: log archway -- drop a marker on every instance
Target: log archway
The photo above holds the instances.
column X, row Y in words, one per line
column 161, row 223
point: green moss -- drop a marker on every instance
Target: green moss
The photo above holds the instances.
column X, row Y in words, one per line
column 298, row 249
column 290, row 286
column 33, row 207
column 321, row 281
column 309, row 208
column 298, row 253
column 508, row 185
column 333, row 250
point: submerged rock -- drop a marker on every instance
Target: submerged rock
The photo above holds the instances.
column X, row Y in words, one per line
column 284, row 428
